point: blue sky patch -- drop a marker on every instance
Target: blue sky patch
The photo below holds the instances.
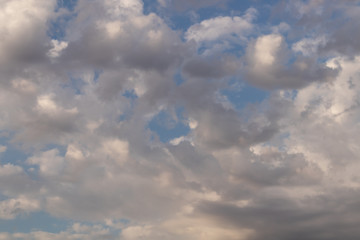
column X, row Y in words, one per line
column 25, row 223
column 168, row 128
column 244, row 94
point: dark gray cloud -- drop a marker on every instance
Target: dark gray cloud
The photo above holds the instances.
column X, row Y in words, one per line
column 319, row 217
column 212, row 67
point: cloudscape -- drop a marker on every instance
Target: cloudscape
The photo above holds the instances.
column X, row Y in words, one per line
column 179, row 119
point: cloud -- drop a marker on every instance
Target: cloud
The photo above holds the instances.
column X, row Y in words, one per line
column 9, row 209
column 23, row 27
column 270, row 54
column 186, row 4
column 340, row 33
column 50, row 164
column 75, row 140
column 211, row 67
column 221, row 28
column 76, row 231
column 282, row 218
column 123, row 36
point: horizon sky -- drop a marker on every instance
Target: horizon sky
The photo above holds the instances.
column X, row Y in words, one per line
column 179, row 119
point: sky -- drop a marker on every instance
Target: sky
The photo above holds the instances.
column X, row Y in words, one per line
column 179, row 119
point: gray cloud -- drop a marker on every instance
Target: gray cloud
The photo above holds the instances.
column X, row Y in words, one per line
column 282, row 218
column 187, row 4
column 268, row 66
column 211, row 68
column 109, row 38
column 78, row 111
column 310, row 17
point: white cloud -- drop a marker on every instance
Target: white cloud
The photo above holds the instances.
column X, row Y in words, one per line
column 116, row 149
column 221, row 28
column 49, row 162
column 184, row 227
column 75, row 153
column 118, row 8
column 9, row 169
column 9, row 209
column 23, row 27
column 178, row 140
column 268, row 65
column 24, row 86
column 2, row 149
column 76, row 231
column 58, row 47
column 309, row 46
column 266, row 50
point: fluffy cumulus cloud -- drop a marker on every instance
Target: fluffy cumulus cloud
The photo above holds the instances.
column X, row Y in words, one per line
column 280, row 68
column 217, row 120
column 218, row 28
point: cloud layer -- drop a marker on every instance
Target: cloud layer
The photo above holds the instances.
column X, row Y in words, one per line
column 89, row 92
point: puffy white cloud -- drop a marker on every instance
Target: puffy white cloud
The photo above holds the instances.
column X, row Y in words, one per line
column 127, row 36
column 49, row 162
column 326, row 115
column 23, row 27
column 116, row 149
column 221, row 28
column 58, row 47
column 10, row 208
column 268, row 65
column 9, row 169
column 267, row 49
column 118, row 8
column 309, row 46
